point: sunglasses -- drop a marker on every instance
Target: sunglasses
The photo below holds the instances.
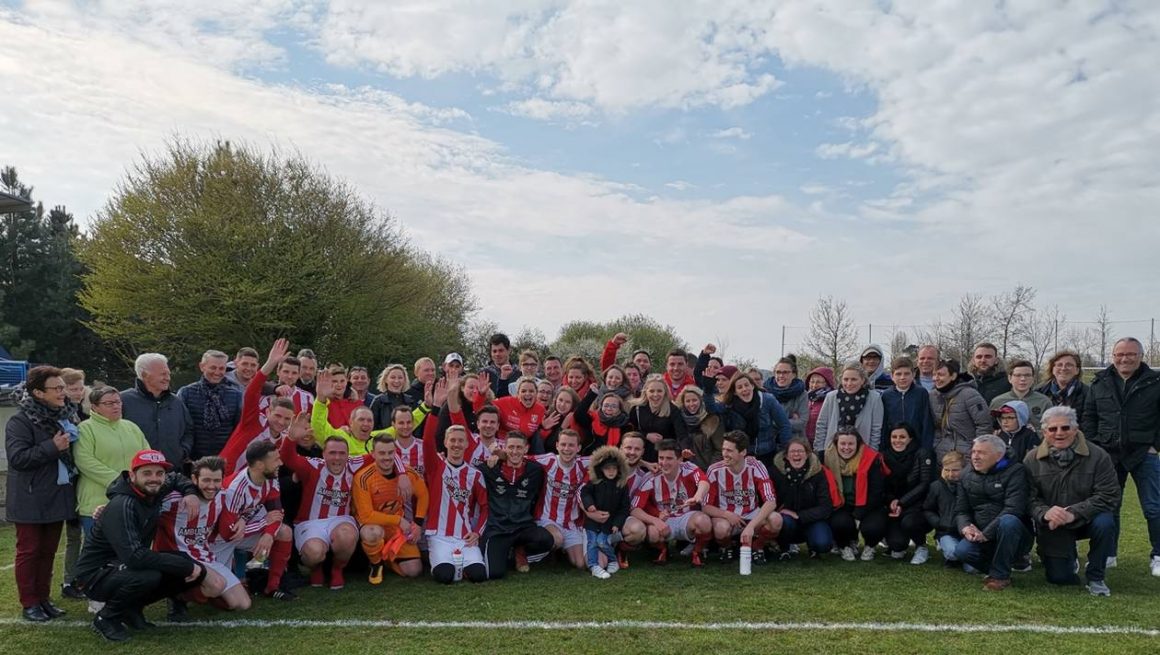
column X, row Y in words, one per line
column 1057, row 428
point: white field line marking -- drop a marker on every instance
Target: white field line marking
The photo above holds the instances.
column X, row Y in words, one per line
column 9, row 567
column 642, row 625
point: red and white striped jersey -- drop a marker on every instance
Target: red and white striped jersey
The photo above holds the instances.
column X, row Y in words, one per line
column 477, row 452
column 241, row 498
column 193, row 534
column 636, row 477
column 303, row 402
column 325, row 495
column 457, row 502
column 740, row 493
column 560, row 500
column 659, row 494
column 411, row 455
column 234, row 452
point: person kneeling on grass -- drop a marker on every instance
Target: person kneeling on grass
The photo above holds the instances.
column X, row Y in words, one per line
column 939, row 507
column 993, row 494
column 117, row 566
column 667, row 504
column 514, row 485
column 606, row 503
column 389, row 515
column 908, row 469
column 1074, row 491
column 741, row 499
column 857, row 489
column 802, row 486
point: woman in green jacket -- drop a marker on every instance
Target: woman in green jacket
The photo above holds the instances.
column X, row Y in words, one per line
column 105, row 446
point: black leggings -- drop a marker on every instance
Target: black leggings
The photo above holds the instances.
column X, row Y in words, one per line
column 497, row 548
column 125, row 590
column 846, row 529
column 901, row 530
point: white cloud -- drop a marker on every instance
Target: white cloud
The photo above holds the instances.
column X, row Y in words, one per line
column 612, row 56
column 680, row 185
column 1030, row 123
column 732, row 133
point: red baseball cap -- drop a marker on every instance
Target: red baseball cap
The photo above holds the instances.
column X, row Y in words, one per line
column 149, row 458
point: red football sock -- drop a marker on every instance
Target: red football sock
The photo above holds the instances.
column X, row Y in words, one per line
column 279, row 556
column 761, row 538
column 336, row 577
column 699, row 543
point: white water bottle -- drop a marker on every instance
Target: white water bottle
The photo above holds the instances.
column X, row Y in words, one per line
column 457, row 562
column 746, row 560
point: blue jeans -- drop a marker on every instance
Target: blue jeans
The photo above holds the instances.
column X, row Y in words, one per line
column 1146, row 475
column 87, row 524
column 599, row 542
column 1011, row 540
column 948, row 544
column 1101, row 535
column 817, row 535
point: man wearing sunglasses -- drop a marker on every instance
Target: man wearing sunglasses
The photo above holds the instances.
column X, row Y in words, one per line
column 1073, row 494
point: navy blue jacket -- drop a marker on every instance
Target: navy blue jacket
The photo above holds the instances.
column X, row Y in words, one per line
column 205, row 440
column 912, row 407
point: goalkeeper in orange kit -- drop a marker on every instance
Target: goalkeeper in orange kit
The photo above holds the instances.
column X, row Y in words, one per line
column 391, row 526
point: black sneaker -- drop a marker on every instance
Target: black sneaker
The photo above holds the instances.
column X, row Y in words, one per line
column 281, row 594
column 759, row 557
column 726, row 554
column 1022, row 565
column 136, row 620
column 110, row 629
column 52, row 610
column 69, row 591
column 178, row 612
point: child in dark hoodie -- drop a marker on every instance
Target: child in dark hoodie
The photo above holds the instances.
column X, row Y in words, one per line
column 939, row 506
column 1014, row 430
column 606, row 504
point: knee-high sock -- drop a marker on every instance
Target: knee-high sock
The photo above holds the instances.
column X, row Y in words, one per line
column 373, row 549
column 701, row 540
column 279, row 556
column 761, row 538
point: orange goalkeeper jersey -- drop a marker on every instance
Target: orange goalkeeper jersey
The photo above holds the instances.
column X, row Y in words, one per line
column 376, row 498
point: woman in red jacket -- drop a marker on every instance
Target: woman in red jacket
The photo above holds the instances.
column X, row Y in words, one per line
column 521, row 412
column 603, row 423
column 858, row 491
column 559, row 418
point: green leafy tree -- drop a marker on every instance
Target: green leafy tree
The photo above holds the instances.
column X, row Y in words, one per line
column 221, row 246
column 40, row 277
column 587, row 338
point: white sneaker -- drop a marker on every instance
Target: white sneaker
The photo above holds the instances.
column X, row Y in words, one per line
column 687, row 550
column 1111, row 563
column 1156, row 566
column 598, row 572
column 848, row 554
column 794, row 549
column 897, row 554
column 95, row 606
column 921, row 555
column 868, row 554
column 613, row 566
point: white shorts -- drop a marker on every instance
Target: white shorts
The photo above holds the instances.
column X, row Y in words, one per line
column 440, row 549
column 225, row 572
column 749, row 516
column 679, row 527
column 320, row 529
column 572, row 536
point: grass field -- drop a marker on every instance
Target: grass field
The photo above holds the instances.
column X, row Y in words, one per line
column 804, row 606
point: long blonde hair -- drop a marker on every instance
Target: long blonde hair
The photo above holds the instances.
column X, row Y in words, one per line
column 666, row 405
column 382, row 383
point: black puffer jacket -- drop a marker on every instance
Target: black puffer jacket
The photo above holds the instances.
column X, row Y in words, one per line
column 910, row 487
column 123, row 534
column 811, row 498
column 606, row 495
column 939, row 507
column 984, row 497
column 1074, row 400
column 1124, row 425
column 993, row 384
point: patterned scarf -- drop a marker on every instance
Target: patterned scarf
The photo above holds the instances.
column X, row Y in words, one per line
column 797, row 476
column 55, row 419
column 850, row 405
column 818, row 395
column 1063, row 456
column 215, row 413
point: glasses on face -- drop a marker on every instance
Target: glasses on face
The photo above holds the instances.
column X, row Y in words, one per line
column 1057, row 428
column 1125, row 355
column 110, row 403
column 58, row 388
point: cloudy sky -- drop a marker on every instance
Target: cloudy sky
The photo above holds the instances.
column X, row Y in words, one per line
column 716, row 164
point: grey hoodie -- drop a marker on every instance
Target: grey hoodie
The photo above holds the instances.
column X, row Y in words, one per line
column 960, row 415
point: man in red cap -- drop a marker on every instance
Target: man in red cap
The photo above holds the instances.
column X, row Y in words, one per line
column 117, row 566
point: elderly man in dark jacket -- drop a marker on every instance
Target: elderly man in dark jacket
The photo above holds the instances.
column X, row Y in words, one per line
column 1073, row 493
column 160, row 414
column 118, row 567
column 991, row 512
column 1122, row 416
column 214, row 405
